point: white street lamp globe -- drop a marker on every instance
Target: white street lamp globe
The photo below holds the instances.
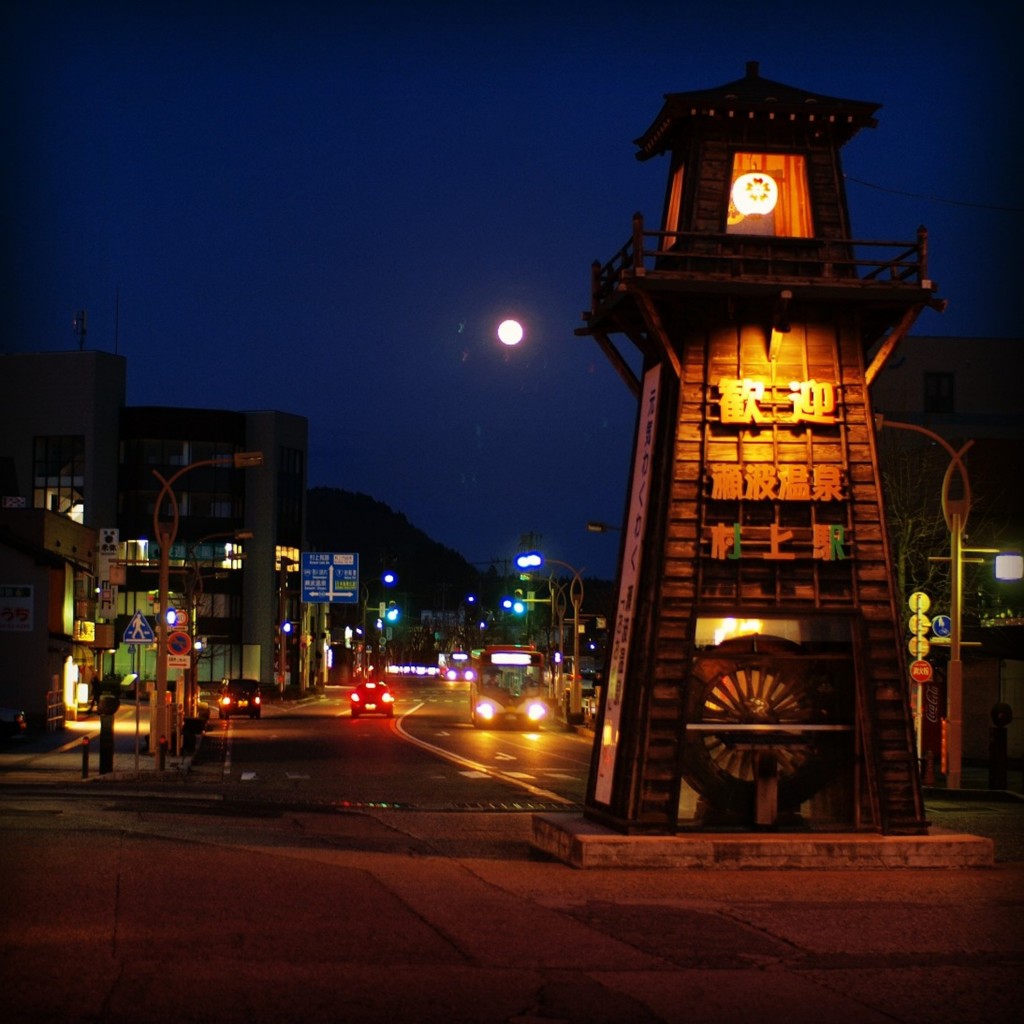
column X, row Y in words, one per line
column 510, row 332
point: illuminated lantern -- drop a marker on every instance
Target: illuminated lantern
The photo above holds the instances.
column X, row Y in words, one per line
column 755, row 193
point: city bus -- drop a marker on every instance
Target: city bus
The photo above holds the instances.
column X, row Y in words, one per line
column 508, row 688
column 454, row 667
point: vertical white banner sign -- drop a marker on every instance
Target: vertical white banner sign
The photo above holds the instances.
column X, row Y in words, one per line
column 629, row 576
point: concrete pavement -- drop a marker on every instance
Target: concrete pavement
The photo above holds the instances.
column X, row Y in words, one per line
column 123, row 908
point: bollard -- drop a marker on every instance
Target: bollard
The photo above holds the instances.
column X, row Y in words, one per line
column 162, row 753
column 85, row 757
column 106, row 740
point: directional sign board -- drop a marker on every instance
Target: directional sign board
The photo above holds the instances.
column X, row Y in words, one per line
column 330, row 577
column 139, row 631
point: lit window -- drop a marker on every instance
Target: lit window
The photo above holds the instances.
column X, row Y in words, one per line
column 58, row 475
column 768, row 196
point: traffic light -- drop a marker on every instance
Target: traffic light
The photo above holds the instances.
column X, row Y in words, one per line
column 515, row 604
column 392, row 614
column 286, row 627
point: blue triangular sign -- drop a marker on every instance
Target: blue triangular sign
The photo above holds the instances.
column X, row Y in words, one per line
column 139, row 631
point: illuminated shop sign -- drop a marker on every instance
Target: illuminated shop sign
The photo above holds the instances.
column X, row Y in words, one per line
column 756, row 481
column 749, row 400
column 823, row 542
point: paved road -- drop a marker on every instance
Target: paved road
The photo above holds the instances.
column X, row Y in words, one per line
column 128, row 899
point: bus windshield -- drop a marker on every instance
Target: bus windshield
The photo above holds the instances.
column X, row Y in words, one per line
column 517, row 672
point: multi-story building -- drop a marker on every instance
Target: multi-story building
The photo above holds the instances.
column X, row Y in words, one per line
column 71, row 449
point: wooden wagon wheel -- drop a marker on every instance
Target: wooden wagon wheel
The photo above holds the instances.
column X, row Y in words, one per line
column 752, row 681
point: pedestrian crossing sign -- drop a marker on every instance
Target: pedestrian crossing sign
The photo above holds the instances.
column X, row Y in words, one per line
column 139, row 631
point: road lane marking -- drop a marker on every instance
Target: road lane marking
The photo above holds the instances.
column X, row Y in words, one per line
column 474, row 766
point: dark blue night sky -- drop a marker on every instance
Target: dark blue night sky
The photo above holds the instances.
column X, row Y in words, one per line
column 326, row 209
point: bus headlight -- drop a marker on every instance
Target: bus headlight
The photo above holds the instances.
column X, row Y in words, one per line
column 536, row 711
column 485, row 710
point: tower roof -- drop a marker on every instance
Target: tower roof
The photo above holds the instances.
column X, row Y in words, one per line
column 751, row 97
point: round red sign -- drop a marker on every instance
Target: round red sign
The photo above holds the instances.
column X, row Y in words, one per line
column 179, row 642
column 921, row 671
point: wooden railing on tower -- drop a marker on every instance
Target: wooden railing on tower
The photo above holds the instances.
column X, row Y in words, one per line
column 758, row 259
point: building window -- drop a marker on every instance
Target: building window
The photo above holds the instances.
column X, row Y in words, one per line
column 938, row 393
column 58, row 475
column 768, row 196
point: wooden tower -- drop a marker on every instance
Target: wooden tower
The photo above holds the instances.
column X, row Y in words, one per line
column 756, row 677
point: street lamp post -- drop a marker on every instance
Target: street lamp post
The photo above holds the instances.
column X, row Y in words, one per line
column 165, row 536
column 388, row 580
column 955, row 512
column 194, row 593
column 284, row 626
column 534, row 560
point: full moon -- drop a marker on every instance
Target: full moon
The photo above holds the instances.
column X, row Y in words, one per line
column 510, row 332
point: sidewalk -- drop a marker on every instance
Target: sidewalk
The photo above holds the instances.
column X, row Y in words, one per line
column 74, row 752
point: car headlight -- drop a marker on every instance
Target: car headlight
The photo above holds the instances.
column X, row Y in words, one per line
column 536, row 711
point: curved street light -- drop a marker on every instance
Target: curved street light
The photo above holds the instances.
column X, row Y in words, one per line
column 597, row 526
column 194, row 589
column 955, row 513
column 165, row 536
column 534, row 560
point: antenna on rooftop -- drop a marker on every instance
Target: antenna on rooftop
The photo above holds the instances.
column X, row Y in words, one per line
column 78, row 324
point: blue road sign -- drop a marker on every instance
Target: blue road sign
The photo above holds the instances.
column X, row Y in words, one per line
column 139, row 631
column 330, row 577
column 941, row 625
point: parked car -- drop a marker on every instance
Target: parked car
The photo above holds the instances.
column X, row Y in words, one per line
column 372, row 697
column 240, row 697
column 12, row 722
